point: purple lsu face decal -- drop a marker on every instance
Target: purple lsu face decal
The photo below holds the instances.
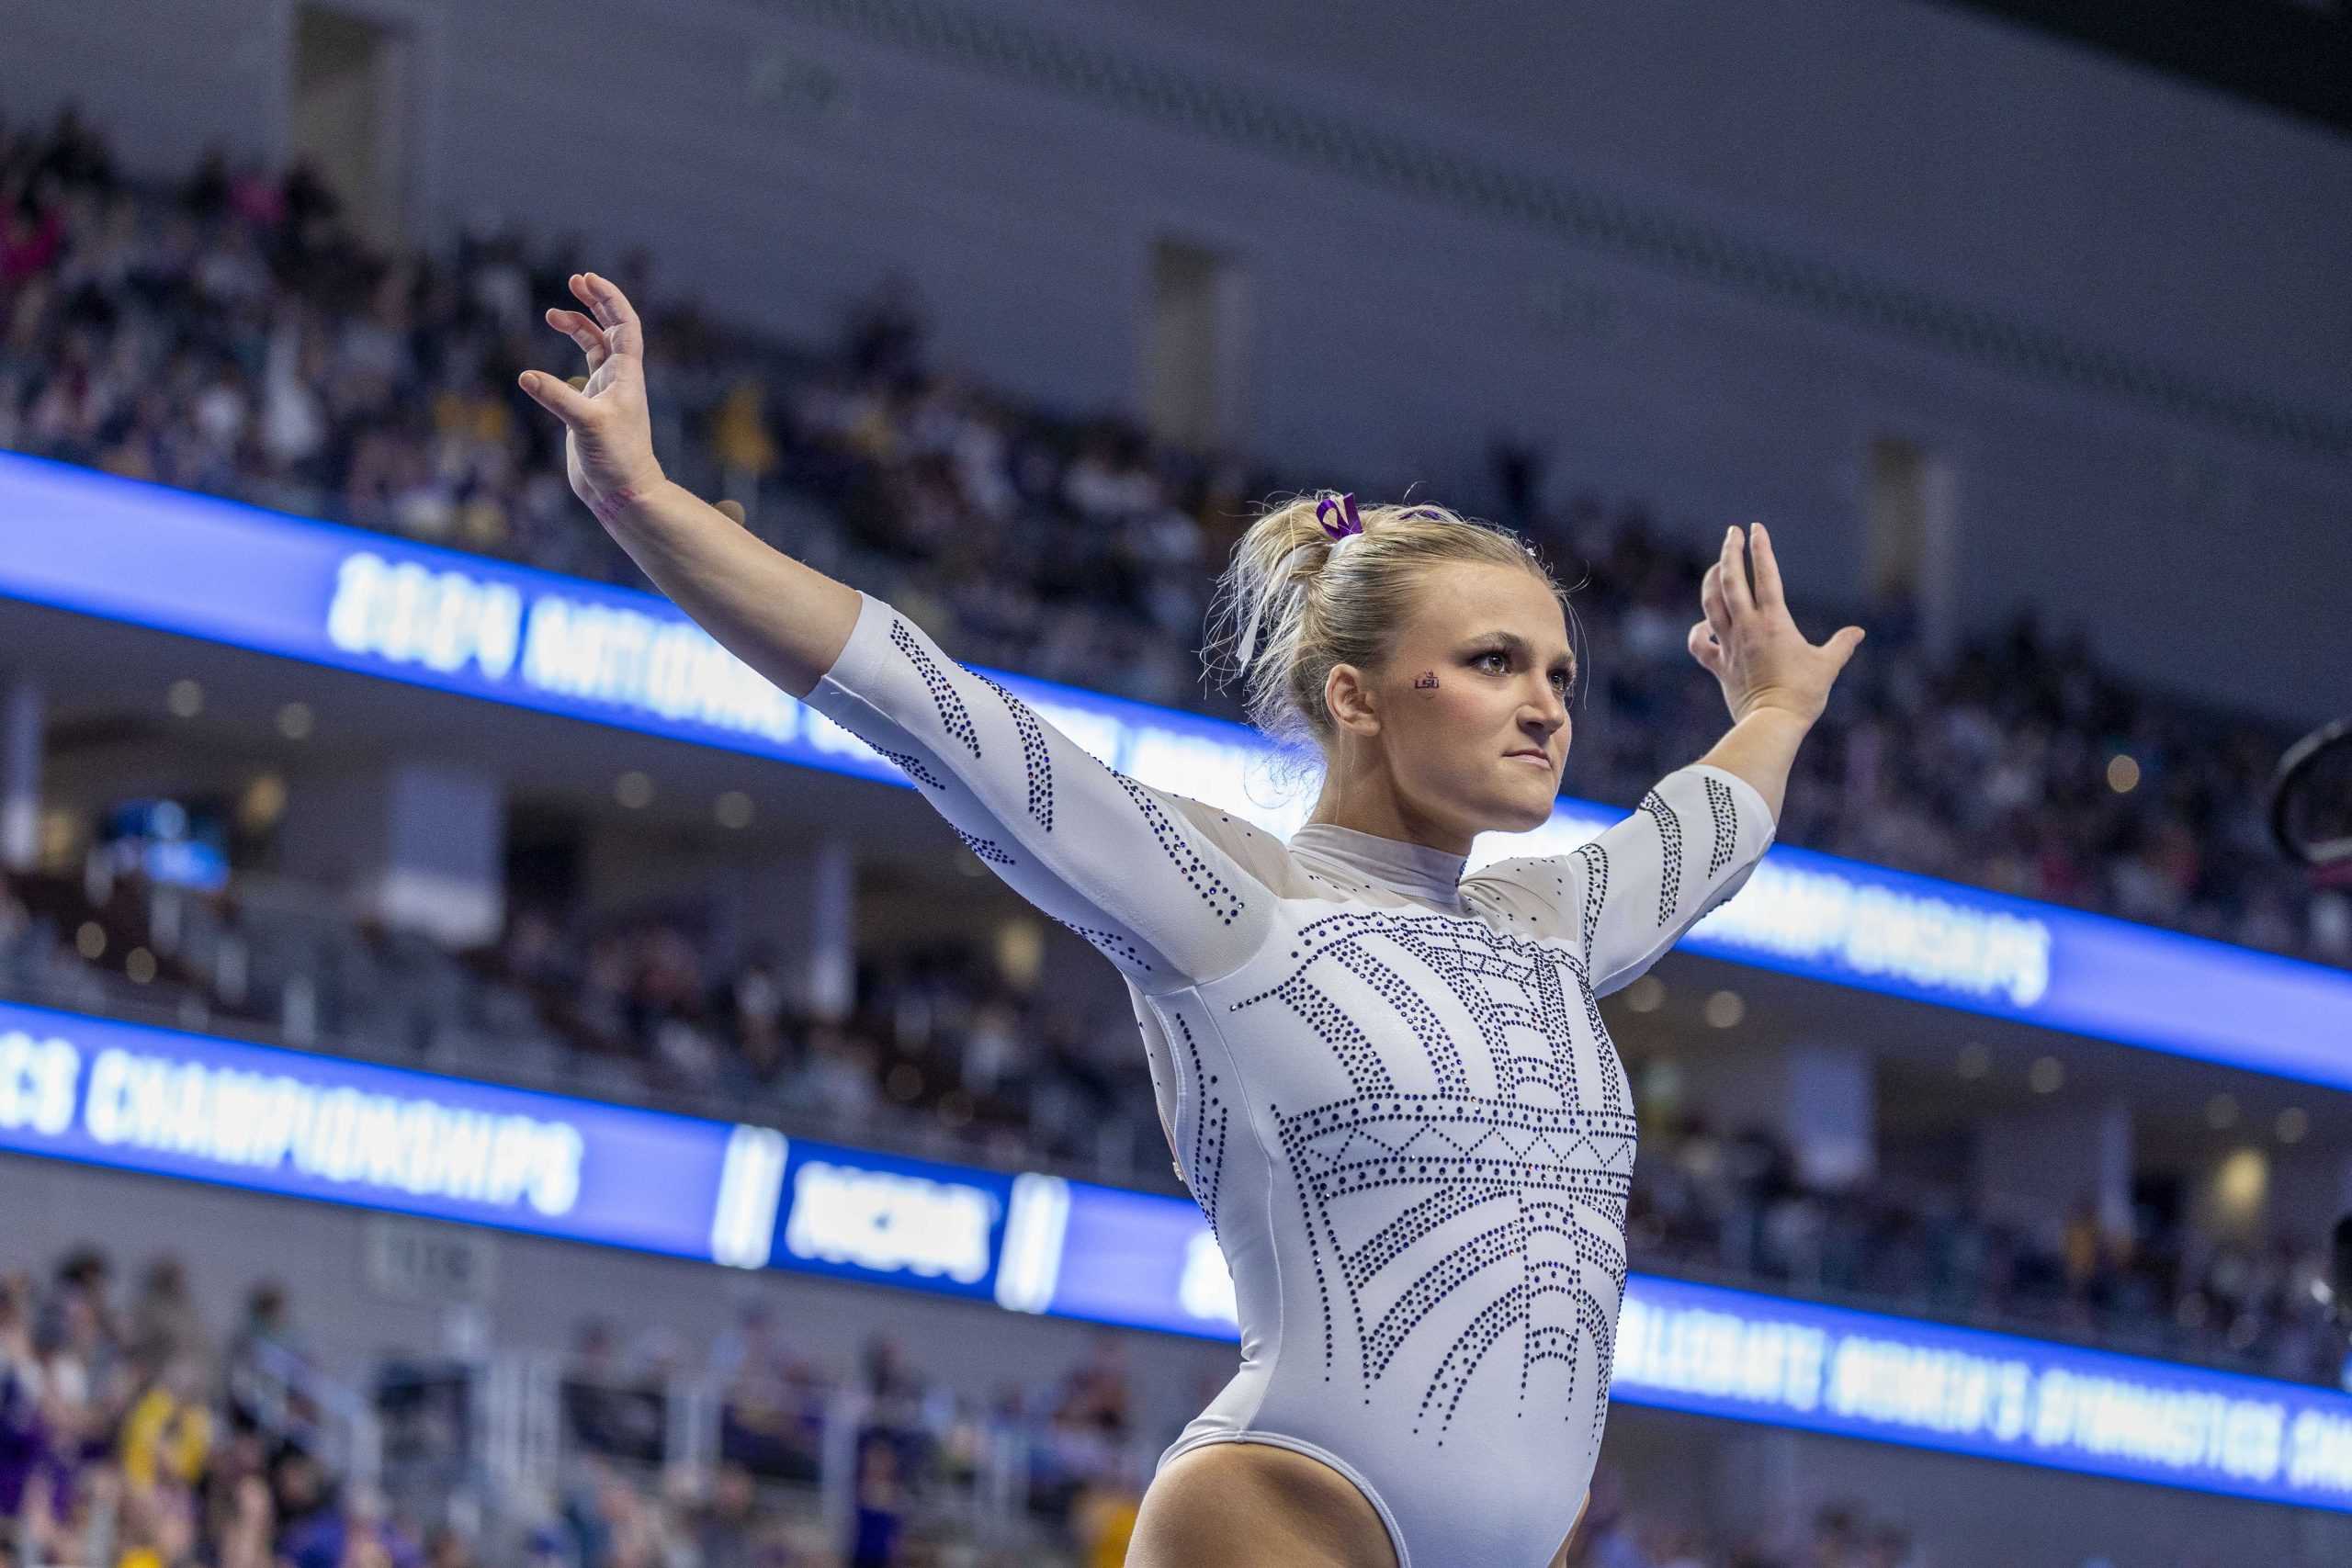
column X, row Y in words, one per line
column 1426, row 681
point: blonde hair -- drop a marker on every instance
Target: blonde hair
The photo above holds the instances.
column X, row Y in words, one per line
column 1315, row 610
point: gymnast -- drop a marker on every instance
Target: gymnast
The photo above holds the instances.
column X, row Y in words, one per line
column 1386, row 1083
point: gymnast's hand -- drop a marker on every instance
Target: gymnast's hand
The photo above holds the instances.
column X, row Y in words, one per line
column 607, row 433
column 1748, row 643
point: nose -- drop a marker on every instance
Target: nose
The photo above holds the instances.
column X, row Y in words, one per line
column 1551, row 717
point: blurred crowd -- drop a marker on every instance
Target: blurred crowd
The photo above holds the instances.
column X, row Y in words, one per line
column 942, row 1053
column 1007, row 1068
column 132, row 1438
column 228, row 335
column 919, row 1454
column 1728, row 1205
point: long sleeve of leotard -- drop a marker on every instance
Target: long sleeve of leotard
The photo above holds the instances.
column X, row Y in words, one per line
column 1115, row 861
column 1691, row 845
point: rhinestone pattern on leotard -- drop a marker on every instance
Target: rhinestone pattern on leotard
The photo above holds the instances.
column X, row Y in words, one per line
column 986, row 848
column 1596, row 888
column 1505, row 1126
column 1721, row 807
column 1110, row 944
column 1224, row 900
column 907, row 762
column 1037, row 760
column 1669, row 837
column 1211, row 1115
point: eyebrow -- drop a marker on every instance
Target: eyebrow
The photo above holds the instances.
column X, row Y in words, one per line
column 1517, row 644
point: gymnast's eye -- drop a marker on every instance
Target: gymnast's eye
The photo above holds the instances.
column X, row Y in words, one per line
column 1566, row 679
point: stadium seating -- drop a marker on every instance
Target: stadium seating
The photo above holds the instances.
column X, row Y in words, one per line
column 228, row 335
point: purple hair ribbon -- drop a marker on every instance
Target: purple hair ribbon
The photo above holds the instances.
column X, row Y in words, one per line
column 1349, row 526
column 1346, row 506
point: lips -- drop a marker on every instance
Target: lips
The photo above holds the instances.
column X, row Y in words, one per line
column 1531, row 756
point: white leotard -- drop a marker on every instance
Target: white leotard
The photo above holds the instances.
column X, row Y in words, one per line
column 1389, row 1086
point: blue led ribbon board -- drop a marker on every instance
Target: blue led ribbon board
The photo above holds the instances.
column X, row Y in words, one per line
column 232, row 573
column 198, row 1108
column 170, row 1103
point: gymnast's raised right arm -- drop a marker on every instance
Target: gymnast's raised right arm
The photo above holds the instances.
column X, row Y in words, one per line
column 1115, row 860
column 784, row 619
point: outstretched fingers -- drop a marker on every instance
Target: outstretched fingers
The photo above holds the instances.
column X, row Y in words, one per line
column 608, row 328
column 1768, row 595
column 580, row 331
column 623, row 334
column 1741, row 602
column 568, row 403
column 1713, row 604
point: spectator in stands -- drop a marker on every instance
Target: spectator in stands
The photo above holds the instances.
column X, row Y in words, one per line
column 244, row 1528
column 888, row 1376
column 85, row 1369
column 838, row 1082
column 722, row 1518
column 448, row 1547
column 614, row 1525
column 166, row 1437
column 1103, row 1518
column 269, row 1328
column 771, row 1414
column 1836, row 1537
column 610, row 1408
column 358, row 1532
column 756, row 1019
column 164, row 1323
column 158, row 1527
column 1096, row 1395
column 24, row 1437
column 301, row 1493
column 877, row 1520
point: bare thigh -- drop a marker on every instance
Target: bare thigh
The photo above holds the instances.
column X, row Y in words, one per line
column 1253, row 1503
column 1229, row 1504
column 1560, row 1558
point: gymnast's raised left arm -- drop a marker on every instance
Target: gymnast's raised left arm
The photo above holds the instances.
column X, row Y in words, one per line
column 1775, row 683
